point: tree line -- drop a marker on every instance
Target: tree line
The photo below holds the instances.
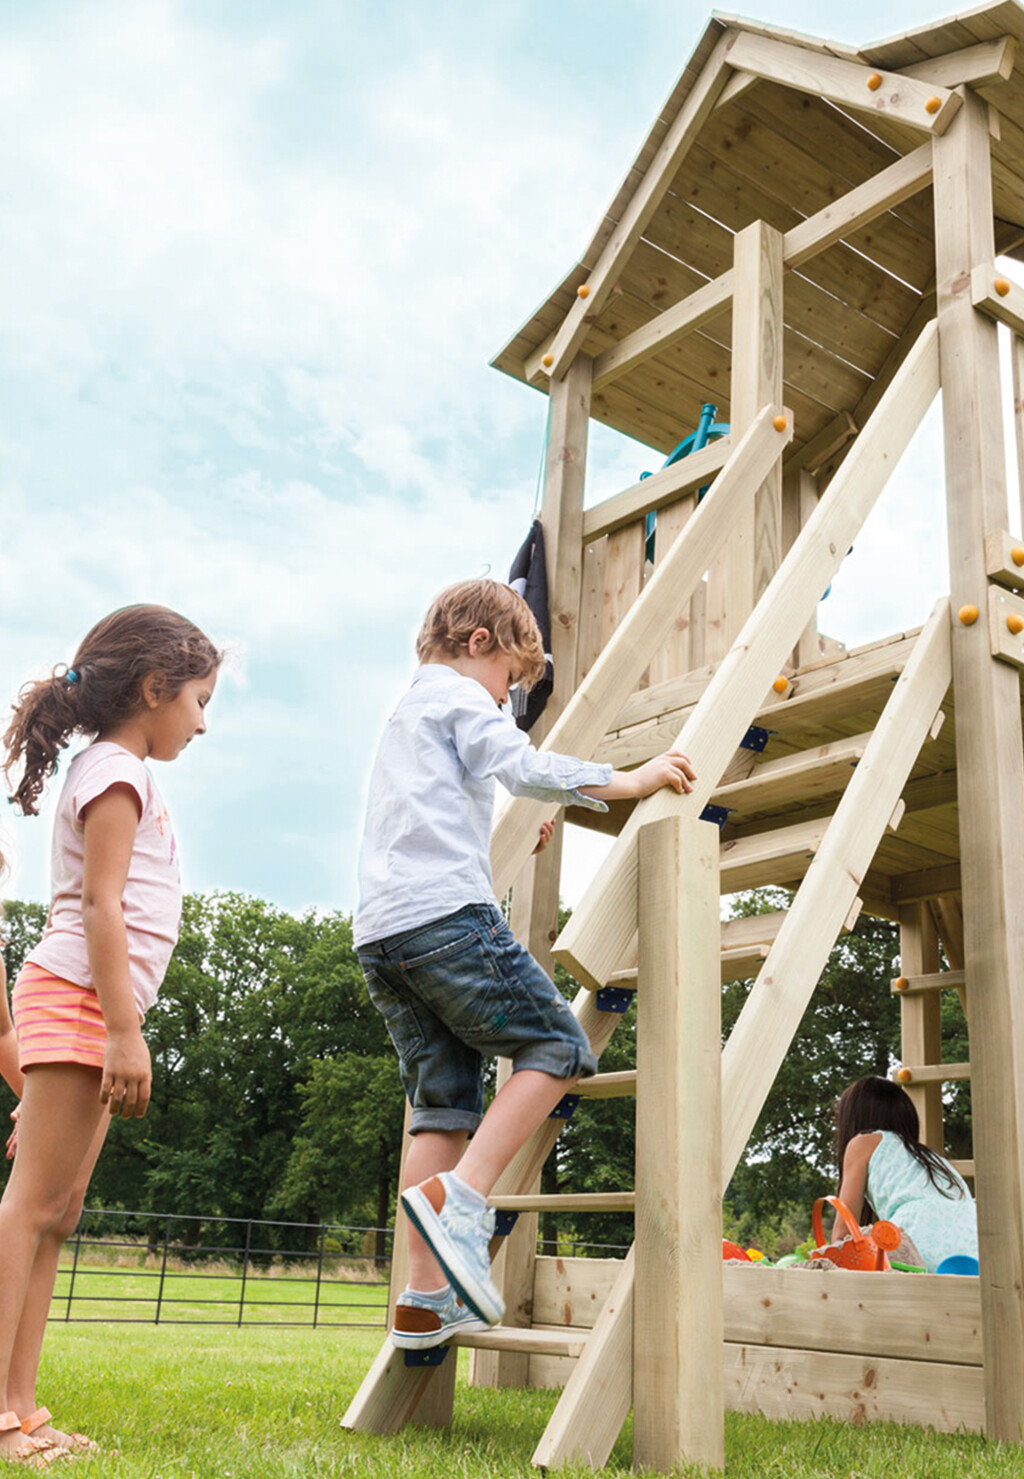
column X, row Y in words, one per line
column 276, row 1093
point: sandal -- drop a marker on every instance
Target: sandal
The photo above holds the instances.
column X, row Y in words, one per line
column 35, row 1453
column 72, row 1442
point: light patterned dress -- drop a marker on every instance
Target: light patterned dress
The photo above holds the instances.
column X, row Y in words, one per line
column 900, row 1189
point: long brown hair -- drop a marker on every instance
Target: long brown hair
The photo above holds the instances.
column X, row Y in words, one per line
column 874, row 1103
column 101, row 688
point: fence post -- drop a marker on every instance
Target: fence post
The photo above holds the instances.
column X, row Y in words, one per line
column 245, row 1270
column 163, row 1272
column 74, row 1268
column 319, row 1273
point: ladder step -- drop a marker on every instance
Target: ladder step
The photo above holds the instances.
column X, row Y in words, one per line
column 534, row 1340
column 782, row 855
column 931, row 1073
column 965, row 1168
column 608, row 1085
column 807, row 777
column 936, row 981
column 584, row 1201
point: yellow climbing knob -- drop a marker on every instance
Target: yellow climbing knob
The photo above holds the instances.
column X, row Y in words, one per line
column 968, row 615
column 781, row 683
column 933, row 105
column 548, row 361
column 583, row 291
column 1015, row 623
column 904, row 1075
column 779, row 422
column 874, row 81
column 755, row 1255
column 1017, row 554
column 1002, row 286
column 901, row 983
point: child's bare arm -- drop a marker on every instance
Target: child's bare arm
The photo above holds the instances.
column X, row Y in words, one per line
column 854, row 1184
column 8, row 1043
column 670, row 769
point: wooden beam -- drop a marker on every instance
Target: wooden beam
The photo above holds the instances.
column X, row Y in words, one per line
column 921, row 1020
column 1006, row 625
column 525, row 1342
column 984, row 65
column 772, row 1012
column 595, row 938
column 578, row 731
column 599, row 1393
column 677, row 1399
column 859, row 206
column 745, row 565
column 644, row 202
column 1004, row 303
column 659, row 489
column 923, row 105
column 1017, row 369
column 933, row 981
column 990, row 767
column 932, row 1075
column 580, row 1201
column 1004, row 559
column 813, row 455
column 683, row 318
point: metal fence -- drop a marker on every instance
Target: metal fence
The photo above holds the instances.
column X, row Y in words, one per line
column 170, row 1269
column 173, row 1269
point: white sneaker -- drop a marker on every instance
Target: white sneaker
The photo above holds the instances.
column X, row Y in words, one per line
column 458, row 1232
column 426, row 1320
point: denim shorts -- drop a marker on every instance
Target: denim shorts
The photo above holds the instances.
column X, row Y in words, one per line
column 460, row 988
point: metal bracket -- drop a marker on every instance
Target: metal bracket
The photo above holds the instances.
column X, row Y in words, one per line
column 717, row 814
column 614, row 999
column 563, row 1110
column 433, row 1356
column 755, row 738
column 504, row 1221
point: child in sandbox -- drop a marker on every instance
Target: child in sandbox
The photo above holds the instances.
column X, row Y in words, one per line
column 882, row 1160
column 440, row 962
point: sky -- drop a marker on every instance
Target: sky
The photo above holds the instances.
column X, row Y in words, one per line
column 257, row 256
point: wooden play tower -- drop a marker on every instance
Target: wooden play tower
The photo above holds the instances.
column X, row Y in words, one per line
column 808, row 239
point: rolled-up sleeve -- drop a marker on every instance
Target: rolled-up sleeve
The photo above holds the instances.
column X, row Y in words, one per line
column 489, row 744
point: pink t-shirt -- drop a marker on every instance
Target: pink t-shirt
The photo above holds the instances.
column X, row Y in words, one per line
column 151, row 901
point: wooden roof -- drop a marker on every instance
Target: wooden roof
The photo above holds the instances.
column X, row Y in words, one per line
column 776, row 154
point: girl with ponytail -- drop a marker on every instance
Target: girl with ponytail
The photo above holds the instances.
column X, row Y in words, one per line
column 137, row 687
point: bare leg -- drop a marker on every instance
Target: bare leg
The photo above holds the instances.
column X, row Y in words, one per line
column 522, row 1103
column 60, row 1117
column 28, row 1343
column 431, row 1151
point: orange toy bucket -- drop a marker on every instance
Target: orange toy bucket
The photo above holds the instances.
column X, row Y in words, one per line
column 860, row 1250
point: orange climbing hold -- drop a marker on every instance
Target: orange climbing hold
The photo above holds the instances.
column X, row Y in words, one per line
column 901, row 983
column 583, row 291
column 904, row 1075
column 1002, row 286
column 781, row 684
column 1015, row 623
column 548, row 361
column 779, row 422
column 1017, row 554
column 933, row 105
column 968, row 615
column 875, row 81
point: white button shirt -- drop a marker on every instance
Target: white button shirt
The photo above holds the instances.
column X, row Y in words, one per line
column 426, row 843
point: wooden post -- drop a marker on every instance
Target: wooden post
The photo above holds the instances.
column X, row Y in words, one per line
column 1017, row 361
column 535, row 894
column 746, row 567
column 990, row 767
column 921, row 1017
column 678, row 1380
column 799, row 500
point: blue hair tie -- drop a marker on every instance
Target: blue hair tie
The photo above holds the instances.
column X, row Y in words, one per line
column 71, row 676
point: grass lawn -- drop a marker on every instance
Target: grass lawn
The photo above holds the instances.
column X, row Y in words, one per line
column 182, row 1402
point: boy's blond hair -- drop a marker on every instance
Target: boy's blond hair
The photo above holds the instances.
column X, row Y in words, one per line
column 462, row 609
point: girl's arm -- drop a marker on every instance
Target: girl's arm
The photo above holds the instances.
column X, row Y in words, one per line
column 8, row 1042
column 110, row 825
column 854, row 1183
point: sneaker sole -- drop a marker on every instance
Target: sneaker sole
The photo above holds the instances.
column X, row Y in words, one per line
column 426, row 1222
column 409, row 1342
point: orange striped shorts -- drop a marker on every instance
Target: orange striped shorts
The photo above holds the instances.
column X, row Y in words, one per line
column 56, row 1021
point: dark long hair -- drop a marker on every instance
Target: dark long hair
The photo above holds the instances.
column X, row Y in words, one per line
column 101, row 688
column 874, row 1103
